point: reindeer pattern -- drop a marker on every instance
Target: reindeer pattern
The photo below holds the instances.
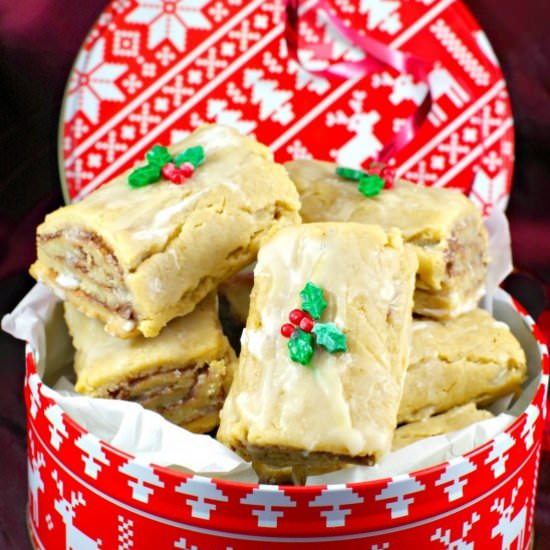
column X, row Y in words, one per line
column 75, row 539
column 510, row 528
column 442, row 84
column 459, row 543
column 36, row 483
column 364, row 144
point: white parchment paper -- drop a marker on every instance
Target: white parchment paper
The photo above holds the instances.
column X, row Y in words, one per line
column 147, row 435
column 500, row 254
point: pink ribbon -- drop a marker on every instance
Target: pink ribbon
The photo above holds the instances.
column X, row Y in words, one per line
column 378, row 57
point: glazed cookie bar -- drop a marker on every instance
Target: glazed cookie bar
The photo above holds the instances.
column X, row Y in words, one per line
column 471, row 358
column 323, row 388
column 450, row 421
column 183, row 374
column 136, row 257
column 444, row 226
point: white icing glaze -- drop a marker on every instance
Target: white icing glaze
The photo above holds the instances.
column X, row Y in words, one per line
column 421, row 325
column 161, row 225
column 67, row 280
column 163, row 217
column 288, row 392
column 128, row 326
column 234, row 188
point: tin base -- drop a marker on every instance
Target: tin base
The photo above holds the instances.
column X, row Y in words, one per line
column 35, row 545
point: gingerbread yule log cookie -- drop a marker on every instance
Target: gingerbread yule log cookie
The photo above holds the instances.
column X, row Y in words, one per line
column 450, row 421
column 183, row 373
column 325, row 348
column 149, row 245
column 452, row 362
column 445, row 227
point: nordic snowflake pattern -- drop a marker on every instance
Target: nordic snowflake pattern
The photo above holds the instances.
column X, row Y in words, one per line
column 383, row 14
column 204, row 495
column 92, row 81
column 93, row 456
column 264, row 499
column 397, row 493
column 169, row 20
column 143, row 480
column 334, row 499
column 499, row 453
column 126, row 43
column 57, row 429
column 455, row 477
column 160, row 55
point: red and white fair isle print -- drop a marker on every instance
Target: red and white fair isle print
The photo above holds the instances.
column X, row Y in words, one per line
column 84, row 494
column 151, row 71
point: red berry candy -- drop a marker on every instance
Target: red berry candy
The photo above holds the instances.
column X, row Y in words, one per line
column 388, row 174
column 295, row 316
column 375, row 169
column 187, row 169
column 177, row 177
column 307, row 323
column 168, row 169
column 287, row 329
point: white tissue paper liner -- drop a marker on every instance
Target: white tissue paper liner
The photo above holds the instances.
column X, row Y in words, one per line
column 153, row 440
column 500, row 255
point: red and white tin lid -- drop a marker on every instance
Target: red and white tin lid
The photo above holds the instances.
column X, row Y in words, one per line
column 150, row 71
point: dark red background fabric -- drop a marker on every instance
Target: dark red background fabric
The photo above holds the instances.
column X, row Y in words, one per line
column 38, row 42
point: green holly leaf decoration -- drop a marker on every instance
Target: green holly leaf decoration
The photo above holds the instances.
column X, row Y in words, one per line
column 349, row 173
column 193, row 155
column 144, row 175
column 158, row 156
column 330, row 337
column 370, row 186
column 300, row 346
column 313, row 300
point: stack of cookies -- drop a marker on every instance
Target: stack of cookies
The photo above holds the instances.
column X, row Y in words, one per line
column 362, row 331
column 138, row 263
